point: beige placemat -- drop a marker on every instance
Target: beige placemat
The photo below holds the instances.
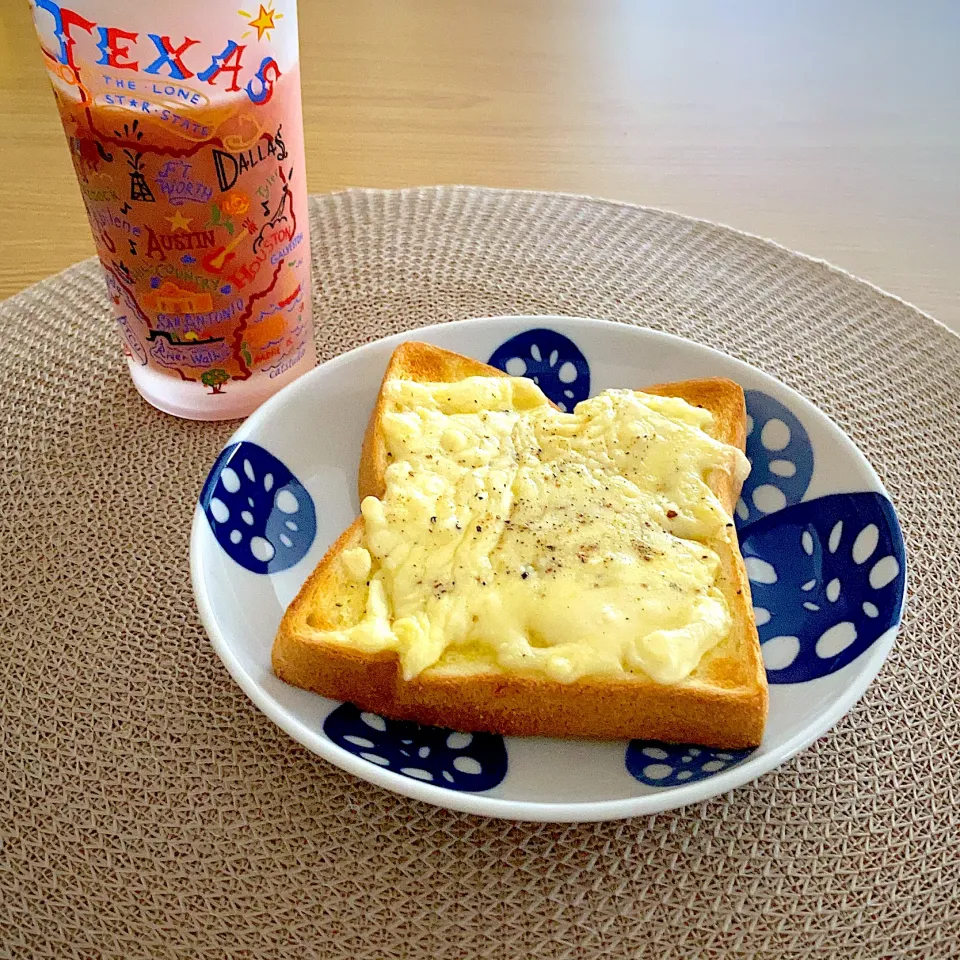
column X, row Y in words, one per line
column 148, row 810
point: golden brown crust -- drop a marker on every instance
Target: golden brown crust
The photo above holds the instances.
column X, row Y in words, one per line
column 725, row 400
column 722, row 704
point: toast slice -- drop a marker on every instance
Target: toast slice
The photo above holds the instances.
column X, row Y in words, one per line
column 723, row 703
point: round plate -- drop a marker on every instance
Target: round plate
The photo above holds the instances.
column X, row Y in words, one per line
column 820, row 537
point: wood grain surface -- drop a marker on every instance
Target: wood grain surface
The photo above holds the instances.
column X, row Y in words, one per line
column 833, row 128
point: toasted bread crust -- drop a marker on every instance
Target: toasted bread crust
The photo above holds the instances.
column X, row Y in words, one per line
column 722, row 704
column 422, row 363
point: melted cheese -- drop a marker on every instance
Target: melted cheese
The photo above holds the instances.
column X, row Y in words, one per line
column 516, row 538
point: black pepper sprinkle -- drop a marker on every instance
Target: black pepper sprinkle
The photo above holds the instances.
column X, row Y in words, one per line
column 671, row 514
column 524, row 575
column 433, row 519
column 479, row 529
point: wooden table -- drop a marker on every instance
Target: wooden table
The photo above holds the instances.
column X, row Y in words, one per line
column 833, row 128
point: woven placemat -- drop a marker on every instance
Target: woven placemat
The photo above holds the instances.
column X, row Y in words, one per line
column 147, row 809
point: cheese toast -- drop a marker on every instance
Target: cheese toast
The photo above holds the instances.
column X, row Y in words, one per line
column 721, row 702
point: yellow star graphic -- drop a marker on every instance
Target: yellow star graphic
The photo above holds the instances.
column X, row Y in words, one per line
column 265, row 20
column 178, row 221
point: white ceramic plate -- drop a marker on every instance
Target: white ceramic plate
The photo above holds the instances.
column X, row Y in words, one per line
column 822, row 542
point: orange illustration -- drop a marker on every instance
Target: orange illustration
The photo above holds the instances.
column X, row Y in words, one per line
column 169, row 298
column 236, row 203
column 270, row 329
column 183, row 198
column 239, row 131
